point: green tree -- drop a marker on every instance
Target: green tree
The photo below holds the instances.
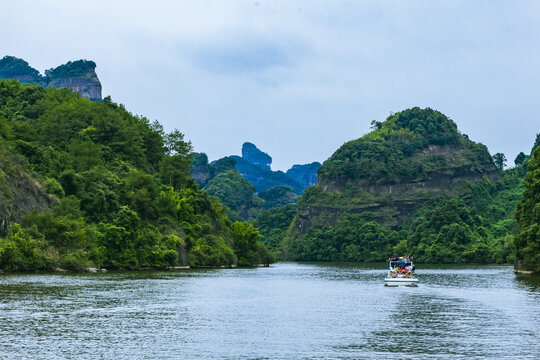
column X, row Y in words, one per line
column 273, row 224
column 500, row 160
column 235, row 192
column 245, row 244
column 175, row 144
column 520, row 158
column 527, row 241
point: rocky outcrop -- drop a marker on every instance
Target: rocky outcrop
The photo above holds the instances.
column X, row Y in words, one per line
column 89, row 88
column 254, row 156
column 445, row 178
column 520, row 269
column 255, row 167
column 201, row 174
column 80, row 76
column 20, row 194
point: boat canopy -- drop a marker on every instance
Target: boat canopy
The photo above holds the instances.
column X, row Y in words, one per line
column 401, row 261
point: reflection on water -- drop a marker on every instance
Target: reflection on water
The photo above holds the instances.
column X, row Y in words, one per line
column 287, row 311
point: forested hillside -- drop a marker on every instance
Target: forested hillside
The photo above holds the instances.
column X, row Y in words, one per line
column 120, row 189
column 222, row 179
column 527, row 239
column 413, row 185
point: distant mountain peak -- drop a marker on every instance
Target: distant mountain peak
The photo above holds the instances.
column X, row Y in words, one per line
column 253, row 155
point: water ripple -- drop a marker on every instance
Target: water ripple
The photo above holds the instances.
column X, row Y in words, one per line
column 287, row 311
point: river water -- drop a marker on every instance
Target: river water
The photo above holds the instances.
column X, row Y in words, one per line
column 287, row 311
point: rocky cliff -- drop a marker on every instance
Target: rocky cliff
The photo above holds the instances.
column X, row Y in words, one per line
column 80, row 76
column 20, row 193
column 254, row 156
column 203, row 172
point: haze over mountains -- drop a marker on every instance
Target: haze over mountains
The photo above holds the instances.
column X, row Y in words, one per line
column 256, row 167
column 247, row 185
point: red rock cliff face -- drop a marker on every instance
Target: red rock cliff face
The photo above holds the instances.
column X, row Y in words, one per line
column 88, row 87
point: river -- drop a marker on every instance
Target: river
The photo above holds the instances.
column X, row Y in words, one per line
column 286, row 311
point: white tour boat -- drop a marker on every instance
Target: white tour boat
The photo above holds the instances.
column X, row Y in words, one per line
column 400, row 272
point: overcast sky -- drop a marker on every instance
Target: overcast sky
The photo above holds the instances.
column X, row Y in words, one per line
column 297, row 78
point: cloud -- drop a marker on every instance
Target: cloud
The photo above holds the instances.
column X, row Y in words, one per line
column 296, row 77
column 236, row 53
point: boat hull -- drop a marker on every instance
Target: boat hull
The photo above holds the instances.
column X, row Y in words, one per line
column 401, row 281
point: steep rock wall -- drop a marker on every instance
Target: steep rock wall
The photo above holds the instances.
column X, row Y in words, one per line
column 19, row 195
column 88, row 87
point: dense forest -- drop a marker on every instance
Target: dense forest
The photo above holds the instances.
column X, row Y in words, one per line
column 527, row 239
column 120, row 186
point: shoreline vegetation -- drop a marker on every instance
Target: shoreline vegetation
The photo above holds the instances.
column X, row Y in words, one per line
column 381, row 265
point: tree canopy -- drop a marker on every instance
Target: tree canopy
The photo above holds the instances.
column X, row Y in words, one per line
column 527, row 240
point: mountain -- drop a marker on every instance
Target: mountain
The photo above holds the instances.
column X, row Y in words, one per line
column 262, row 178
column 246, row 187
column 276, row 188
column 203, row 172
column 414, row 184
column 80, row 76
column 255, row 166
column 306, row 174
column 414, row 155
column 222, row 180
column 235, row 192
column 254, row 156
